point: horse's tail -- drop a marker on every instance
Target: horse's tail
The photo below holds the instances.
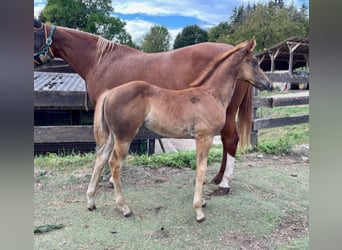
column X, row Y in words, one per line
column 245, row 118
column 101, row 130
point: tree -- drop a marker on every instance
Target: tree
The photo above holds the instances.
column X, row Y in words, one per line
column 270, row 24
column 156, row 40
column 219, row 32
column 91, row 16
column 190, row 35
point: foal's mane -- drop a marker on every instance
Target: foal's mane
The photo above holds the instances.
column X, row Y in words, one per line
column 213, row 64
column 105, row 46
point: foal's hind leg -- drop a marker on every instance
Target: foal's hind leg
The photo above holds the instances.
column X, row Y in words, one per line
column 202, row 149
column 116, row 160
column 102, row 156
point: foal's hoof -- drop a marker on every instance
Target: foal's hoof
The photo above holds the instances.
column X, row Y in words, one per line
column 92, row 208
column 129, row 214
column 126, row 211
column 204, row 203
column 200, row 219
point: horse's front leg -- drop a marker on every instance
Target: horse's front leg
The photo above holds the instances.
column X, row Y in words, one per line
column 202, row 150
column 102, row 155
column 116, row 160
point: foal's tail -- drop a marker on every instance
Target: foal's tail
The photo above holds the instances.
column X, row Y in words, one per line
column 101, row 130
column 245, row 118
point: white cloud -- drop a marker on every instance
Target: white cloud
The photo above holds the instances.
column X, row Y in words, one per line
column 137, row 29
column 209, row 11
column 37, row 10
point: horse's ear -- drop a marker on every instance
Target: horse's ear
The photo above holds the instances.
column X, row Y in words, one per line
column 37, row 24
column 242, row 45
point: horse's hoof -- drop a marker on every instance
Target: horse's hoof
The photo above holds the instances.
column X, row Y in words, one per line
column 217, row 180
column 110, row 185
column 92, row 208
column 220, row 191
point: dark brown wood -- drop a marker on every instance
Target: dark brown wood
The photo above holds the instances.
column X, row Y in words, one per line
column 286, row 77
column 262, row 123
column 76, row 133
column 46, row 134
column 60, row 100
column 282, row 100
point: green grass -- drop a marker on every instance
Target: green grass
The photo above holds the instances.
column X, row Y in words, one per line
column 62, row 162
column 178, row 159
column 264, row 197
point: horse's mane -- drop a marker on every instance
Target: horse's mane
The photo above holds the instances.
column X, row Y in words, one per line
column 214, row 63
column 105, row 46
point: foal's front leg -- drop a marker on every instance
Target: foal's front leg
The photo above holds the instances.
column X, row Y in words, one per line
column 115, row 162
column 202, row 149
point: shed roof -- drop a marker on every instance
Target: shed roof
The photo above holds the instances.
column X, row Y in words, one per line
column 300, row 54
column 52, row 81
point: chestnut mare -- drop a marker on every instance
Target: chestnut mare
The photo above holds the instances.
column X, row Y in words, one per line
column 104, row 65
column 197, row 112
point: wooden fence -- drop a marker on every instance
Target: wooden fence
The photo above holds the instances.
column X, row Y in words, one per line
column 300, row 98
column 75, row 100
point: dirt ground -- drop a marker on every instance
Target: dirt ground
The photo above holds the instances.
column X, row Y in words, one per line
column 267, row 208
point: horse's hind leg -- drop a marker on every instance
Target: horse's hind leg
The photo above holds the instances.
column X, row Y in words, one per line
column 102, row 156
column 116, row 160
column 202, row 149
column 230, row 139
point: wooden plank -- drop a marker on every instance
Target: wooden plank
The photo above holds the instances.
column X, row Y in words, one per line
column 60, row 100
column 48, row 134
column 282, row 100
column 263, row 123
column 262, row 102
column 286, row 77
column 292, row 100
column 76, row 133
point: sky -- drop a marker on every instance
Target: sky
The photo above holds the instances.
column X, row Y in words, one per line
column 175, row 15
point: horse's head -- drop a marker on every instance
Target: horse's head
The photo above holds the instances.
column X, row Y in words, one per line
column 250, row 70
column 42, row 42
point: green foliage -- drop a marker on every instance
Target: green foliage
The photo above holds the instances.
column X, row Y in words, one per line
column 179, row 159
column 63, row 161
column 281, row 146
column 156, row 40
column 270, row 23
column 219, row 32
column 190, row 35
column 91, row 16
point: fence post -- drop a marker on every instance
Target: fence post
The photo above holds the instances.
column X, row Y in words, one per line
column 254, row 133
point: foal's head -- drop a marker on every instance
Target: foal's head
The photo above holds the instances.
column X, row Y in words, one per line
column 250, row 70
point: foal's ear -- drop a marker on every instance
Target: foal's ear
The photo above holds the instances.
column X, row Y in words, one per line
column 251, row 44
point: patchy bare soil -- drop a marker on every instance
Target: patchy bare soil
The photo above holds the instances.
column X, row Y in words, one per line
column 267, row 208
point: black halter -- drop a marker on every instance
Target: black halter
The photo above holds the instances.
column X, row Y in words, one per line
column 41, row 56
